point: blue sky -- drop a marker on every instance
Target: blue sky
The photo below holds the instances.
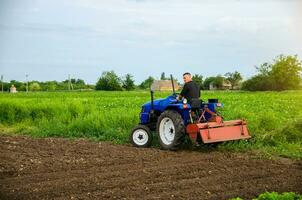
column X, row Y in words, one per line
column 49, row 39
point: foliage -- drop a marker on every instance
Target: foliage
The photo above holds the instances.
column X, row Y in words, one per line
column 48, row 85
column 108, row 81
column 34, row 86
column 286, row 73
column 283, row 74
column 257, row 83
column 198, row 79
column 275, row 196
column 207, row 81
column 217, row 82
column 163, row 76
column 147, row 83
column 75, row 81
column 128, row 82
column 234, row 78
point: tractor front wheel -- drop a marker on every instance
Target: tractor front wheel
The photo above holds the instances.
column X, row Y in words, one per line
column 141, row 136
column 171, row 130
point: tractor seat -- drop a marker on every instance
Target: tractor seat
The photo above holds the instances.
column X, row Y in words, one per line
column 195, row 108
column 195, row 103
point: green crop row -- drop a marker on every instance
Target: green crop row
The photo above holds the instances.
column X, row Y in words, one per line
column 274, row 118
column 275, row 196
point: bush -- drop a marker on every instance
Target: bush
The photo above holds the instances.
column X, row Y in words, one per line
column 276, row 196
column 35, row 87
column 109, row 81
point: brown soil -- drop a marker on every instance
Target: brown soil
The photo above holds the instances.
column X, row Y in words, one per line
column 32, row 168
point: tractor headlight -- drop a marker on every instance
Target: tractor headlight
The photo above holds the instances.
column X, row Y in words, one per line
column 185, row 101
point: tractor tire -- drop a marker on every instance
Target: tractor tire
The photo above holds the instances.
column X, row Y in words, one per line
column 141, row 136
column 171, row 130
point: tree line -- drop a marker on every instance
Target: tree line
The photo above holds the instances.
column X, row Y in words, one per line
column 72, row 84
column 284, row 73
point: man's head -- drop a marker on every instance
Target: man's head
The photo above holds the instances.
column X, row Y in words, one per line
column 187, row 77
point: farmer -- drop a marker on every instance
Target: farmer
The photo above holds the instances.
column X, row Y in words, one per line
column 190, row 91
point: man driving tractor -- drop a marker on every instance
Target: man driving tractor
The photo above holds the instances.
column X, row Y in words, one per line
column 173, row 119
column 190, row 91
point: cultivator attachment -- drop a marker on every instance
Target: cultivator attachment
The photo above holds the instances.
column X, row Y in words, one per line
column 218, row 131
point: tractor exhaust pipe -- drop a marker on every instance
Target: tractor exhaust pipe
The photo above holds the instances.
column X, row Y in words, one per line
column 172, row 84
column 152, row 99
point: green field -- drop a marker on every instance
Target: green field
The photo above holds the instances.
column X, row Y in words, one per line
column 274, row 118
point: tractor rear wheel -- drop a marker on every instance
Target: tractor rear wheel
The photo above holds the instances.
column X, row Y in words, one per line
column 171, row 130
column 141, row 136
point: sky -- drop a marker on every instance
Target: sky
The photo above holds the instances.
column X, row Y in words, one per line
column 50, row 39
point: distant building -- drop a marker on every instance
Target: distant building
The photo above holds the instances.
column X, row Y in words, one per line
column 13, row 89
column 226, row 85
column 164, row 85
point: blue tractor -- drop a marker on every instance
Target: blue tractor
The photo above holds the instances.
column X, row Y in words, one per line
column 173, row 119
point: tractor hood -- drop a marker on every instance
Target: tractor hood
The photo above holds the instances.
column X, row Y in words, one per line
column 162, row 104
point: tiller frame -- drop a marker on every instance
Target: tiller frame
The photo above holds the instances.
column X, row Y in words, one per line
column 217, row 130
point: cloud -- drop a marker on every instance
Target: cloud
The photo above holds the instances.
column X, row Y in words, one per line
column 57, row 29
column 179, row 20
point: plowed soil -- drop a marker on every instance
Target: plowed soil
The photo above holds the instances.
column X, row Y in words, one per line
column 52, row 168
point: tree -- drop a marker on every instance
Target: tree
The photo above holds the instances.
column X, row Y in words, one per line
column 260, row 82
column 256, row 83
column 17, row 84
column 80, row 82
column 6, row 86
column 128, row 82
column 163, row 76
column 198, row 80
column 207, row 82
column 147, row 83
column 216, row 81
column 34, row 86
column 50, row 85
column 233, row 78
column 283, row 74
column 286, row 73
column 108, row 81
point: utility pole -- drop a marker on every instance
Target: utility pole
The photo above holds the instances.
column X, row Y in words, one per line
column 69, row 82
column 26, row 83
column 2, row 82
column 70, row 86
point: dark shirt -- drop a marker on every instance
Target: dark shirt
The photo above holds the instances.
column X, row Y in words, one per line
column 190, row 91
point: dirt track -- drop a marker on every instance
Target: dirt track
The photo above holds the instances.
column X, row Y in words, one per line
column 32, row 168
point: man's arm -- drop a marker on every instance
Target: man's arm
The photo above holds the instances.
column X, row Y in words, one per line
column 183, row 92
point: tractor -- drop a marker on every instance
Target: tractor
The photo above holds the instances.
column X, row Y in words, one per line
column 172, row 119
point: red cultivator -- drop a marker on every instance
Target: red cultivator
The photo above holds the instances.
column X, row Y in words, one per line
column 214, row 129
column 218, row 131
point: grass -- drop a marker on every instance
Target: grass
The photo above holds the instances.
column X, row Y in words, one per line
column 274, row 118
